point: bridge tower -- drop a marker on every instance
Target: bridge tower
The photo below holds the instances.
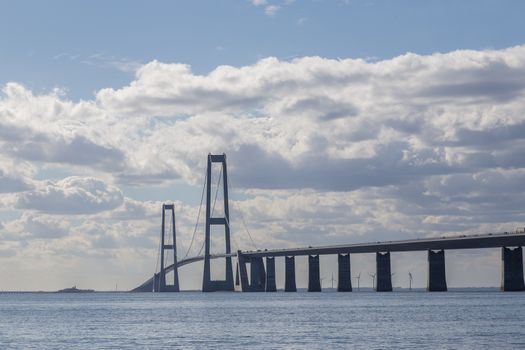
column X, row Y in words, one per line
column 160, row 278
column 209, row 285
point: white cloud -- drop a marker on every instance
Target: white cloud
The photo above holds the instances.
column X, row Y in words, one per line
column 46, row 128
column 102, row 60
column 15, row 176
column 30, row 226
column 72, row 195
column 271, row 10
column 109, row 61
column 134, row 210
column 321, row 151
column 301, row 123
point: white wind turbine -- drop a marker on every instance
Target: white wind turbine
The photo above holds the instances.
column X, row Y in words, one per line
column 358, row 278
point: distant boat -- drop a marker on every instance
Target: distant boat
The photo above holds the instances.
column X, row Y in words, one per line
column 74, row 289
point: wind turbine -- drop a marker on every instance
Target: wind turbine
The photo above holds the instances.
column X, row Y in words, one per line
column 392, row 274
column 333, row 280
column 409, row 280
column 373, row 275
column 358, row 278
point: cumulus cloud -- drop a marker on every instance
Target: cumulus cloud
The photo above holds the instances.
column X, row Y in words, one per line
column 75, row 151
column 363, row 113
column 271, row 10
column 47, row 129
column 72, row 195
column 30, row 226
column 134, row 210
column 321, row 150
column 329, row 125
column 414, row 115
column 15, row 176
column 9, row 183
column 7, row 253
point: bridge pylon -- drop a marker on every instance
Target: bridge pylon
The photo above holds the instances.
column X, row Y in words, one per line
column 209, row 285
column 159, row 281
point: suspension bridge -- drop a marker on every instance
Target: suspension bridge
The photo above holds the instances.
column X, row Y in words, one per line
column 261, row 263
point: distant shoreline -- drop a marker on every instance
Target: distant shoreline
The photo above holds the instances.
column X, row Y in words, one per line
column 299, row 290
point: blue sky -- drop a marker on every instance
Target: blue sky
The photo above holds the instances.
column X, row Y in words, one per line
column 80, row 45
column 342, row 121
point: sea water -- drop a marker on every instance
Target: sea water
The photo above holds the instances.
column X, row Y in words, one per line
column 193, row 320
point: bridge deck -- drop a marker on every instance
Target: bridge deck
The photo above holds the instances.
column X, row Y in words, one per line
column 490, row 240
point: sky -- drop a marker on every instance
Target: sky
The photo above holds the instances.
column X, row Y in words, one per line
column 342, row 122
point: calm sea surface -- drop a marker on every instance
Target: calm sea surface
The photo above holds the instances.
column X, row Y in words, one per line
column 365, row 320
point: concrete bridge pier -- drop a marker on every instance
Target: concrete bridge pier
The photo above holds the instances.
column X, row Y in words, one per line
column 257, row 275
column 314, row 277
column 436, row 271
column 257, row 280
column 344, row 277
column 270, row 274
column 242, row 273
column 383, row 272
column 289, row 274
column 512, row 274
column 237, row 280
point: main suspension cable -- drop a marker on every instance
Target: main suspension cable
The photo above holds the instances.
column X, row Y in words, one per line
column 200, row 206
column 242, row 216
column 233, row 236
column 198, row 217
column 202, row 247
column 176, row 243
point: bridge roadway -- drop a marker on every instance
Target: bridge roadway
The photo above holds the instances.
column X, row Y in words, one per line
column 490, row 240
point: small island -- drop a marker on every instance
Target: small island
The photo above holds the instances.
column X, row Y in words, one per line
column 74, row 289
